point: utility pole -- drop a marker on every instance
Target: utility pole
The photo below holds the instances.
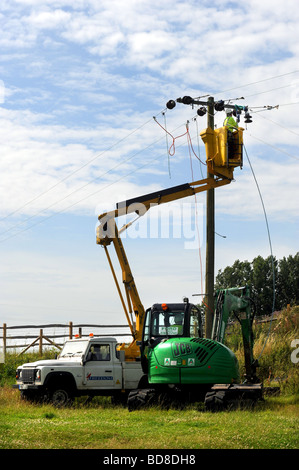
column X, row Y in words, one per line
column 210, row 239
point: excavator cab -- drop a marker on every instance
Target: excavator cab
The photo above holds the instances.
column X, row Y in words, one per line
column 167, row 321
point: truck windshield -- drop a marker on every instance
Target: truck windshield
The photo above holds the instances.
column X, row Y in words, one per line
column 73, row 348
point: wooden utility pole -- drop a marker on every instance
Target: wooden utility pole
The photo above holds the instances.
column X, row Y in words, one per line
column 210, row 240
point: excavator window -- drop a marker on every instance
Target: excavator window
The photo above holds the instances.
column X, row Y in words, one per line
column 146, row 330
column 168, row 321
column 195, row 323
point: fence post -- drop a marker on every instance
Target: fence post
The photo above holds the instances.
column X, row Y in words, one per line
column 80, row 332
column 70, row 330
column 4, row 340
column 40, row 342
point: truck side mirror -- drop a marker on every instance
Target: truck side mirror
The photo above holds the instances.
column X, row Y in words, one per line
column 121, row 356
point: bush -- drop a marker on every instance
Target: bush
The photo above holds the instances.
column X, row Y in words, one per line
column 13, row 361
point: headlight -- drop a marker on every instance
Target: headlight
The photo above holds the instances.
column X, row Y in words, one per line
column 38, row 375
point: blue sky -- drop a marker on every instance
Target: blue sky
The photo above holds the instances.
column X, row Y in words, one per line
column 80, row 84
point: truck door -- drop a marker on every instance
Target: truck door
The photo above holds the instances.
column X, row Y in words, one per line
column 100, row 370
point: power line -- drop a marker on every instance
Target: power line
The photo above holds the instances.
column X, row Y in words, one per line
column 289, row 104
column 81, row 200
column 85, row 185
column 78, row 189
column 113, row 145
column 268, row 91
column 127, row 136
column 259, row 81
column 270, row 245
column 278, row 124
column 76, row 171
column 273, row 146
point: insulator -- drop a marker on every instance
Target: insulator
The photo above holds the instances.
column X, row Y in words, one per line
column 170, row 104
column 201, row 111
column 248, row 118
column 187, row 100
column 219, row 105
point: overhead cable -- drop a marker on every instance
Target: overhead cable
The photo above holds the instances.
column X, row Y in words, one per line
column 81, row 200
column 258, row 81
column 271, row 251
column 76, row 170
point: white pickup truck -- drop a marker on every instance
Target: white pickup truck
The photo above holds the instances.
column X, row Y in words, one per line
column 85, row 367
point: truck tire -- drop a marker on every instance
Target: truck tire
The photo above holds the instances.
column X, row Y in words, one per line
column 61, row 397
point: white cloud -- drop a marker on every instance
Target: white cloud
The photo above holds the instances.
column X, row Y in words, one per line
column 48, row 19
column 277, row 185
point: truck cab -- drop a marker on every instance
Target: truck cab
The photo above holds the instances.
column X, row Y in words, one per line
column 89, row 367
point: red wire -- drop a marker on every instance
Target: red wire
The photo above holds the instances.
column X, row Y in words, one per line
column 173, row 138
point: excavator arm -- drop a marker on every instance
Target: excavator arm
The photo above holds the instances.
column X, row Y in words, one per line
column 236, row 302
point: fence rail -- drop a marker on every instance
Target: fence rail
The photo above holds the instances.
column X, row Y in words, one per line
column 41, row 339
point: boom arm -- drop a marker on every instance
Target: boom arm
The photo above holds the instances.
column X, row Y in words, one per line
column 107, row 231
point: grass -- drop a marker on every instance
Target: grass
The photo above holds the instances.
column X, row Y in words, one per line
column 100, row 425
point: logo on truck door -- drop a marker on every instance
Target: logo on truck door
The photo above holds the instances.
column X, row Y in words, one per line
column 99, row 377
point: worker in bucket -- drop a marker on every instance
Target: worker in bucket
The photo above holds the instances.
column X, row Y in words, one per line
column 232, row 127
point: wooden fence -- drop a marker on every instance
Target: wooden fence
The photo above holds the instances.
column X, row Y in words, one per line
column 41, row 339
column 53, row 339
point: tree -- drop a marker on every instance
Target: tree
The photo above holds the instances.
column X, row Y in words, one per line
column 262, row 284
column 239, row 274
column 288, row 281
column 258, row 275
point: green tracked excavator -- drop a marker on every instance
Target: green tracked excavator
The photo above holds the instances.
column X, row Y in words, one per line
column 182, row 366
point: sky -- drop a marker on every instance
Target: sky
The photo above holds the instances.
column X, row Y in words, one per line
column 83, row 93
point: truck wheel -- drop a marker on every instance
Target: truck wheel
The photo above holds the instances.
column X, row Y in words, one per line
column 61, row 397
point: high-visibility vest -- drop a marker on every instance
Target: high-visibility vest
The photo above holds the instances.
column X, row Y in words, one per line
column 230, row 123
